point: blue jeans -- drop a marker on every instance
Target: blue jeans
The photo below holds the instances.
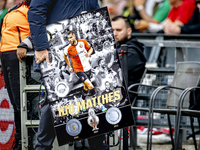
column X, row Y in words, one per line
column 10, row 66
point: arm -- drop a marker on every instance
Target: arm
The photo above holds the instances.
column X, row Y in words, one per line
column 90, row 51
column 37, row 16
column 173, row 27
column 193, row 27
column 178, row 23
column 168, row 21
column 150, row 26
column 166, row 25
column 68, row 63
column 146, row 17
column 190, row 29
column 23, row 27
column 154, row 27
column 139, row 5
column 22, row 48
column 26, row 43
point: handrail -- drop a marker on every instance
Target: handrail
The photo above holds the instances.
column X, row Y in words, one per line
column 160, row 70
column 139, row 84
column 186, row 41
column 168, row 36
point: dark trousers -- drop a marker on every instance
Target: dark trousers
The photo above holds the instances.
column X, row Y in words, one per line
column 46, row 133
column 10, row 65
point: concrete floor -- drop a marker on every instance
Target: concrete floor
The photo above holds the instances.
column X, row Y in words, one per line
column 167, row 147
column 187, row 145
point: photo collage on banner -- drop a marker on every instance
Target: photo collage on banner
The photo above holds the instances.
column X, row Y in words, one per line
column 86, row 94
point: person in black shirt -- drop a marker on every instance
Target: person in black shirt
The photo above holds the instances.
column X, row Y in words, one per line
column 136, row 60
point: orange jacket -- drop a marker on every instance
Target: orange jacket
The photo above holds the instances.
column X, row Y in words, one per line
column 15, row 29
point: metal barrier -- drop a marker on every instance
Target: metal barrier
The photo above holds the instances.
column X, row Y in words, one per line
column 163, row 76
column 181, row 40
column 183, row 45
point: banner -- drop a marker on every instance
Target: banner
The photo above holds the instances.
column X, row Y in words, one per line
column 7, row 126
column 84, row 81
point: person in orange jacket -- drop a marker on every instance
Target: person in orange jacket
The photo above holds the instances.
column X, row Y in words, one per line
column 15, row 28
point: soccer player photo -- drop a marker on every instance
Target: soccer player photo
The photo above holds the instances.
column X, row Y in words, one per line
column 84, row 81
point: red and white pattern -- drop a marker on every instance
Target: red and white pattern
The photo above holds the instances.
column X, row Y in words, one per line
column 7, row 127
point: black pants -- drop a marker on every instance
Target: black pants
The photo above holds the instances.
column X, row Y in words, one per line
column 46, row 133
column 10, row 65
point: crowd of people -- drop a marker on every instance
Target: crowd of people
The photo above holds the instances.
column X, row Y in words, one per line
column 158, row 16
column 27, row 26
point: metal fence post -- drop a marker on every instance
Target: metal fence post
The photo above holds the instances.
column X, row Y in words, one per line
column 124, row 47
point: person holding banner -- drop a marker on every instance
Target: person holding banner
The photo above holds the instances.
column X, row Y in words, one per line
column 42, row 13
column 79, row 52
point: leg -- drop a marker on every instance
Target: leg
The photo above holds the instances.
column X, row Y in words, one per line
column 46, row 133
column 84, row 92
column 90, row 87
column 85, row 88
column 10, row 66
column 88, row 84
column 96, row 143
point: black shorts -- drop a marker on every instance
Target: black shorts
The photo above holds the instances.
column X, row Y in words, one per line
column 84, row 75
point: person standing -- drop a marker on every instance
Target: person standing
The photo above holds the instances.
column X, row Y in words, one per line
column 40, row 14
column 15, row 28
column 136, row 60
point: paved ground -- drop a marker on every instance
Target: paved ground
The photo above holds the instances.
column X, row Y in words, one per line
column 168, row 147
column 187, row 145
